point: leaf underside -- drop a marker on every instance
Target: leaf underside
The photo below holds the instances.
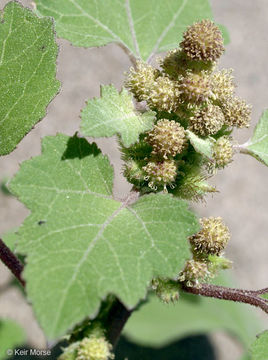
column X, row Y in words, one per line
column 114, row 113
column 258, row 144
column 28, row 53
column 145, row 27
column 81, row 244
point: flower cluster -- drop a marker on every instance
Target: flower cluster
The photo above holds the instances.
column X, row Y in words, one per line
column 89, row 348
column 207, row 249
column 188, row 93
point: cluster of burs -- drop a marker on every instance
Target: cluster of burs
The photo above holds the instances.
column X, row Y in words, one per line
column 189, row 96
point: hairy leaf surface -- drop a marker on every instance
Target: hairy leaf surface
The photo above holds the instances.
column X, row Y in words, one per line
column 259, row 349
column 258, row 144
column 114, row 113
column 28, row 53
column 145, row 27
column 202, row 146
column 81, row 244
column 157, row 324
column 11, row 335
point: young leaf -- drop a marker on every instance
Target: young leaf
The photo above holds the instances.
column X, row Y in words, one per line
column 28, row 54
column 114, row 113
column 259, row 349
column 258, row 144
column 156, row 324
column 144, row 27
column 11, row 335
column 81, row 244
column 202, row 146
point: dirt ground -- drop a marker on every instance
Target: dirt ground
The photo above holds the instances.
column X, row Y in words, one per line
column 242, row 200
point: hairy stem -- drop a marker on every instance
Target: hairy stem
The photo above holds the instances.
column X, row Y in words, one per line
column 221, row 292
column 11, row 261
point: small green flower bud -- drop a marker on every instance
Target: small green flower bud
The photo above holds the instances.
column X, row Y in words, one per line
column 163, row 95
column 141, row 79
column 203, row 41
column 237, row 112
column 166, row 290
column 167, row 138
column 217, row 263
column 194, row 272
column 94, row 348
column 160, row 173
column 222, row 152
column 195, row 88
column 133, row 171
column 70, row 353
column 223, row 85
column 207, row 120
column 212, row 238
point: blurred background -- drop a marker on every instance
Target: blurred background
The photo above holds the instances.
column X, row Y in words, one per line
column 242, row 200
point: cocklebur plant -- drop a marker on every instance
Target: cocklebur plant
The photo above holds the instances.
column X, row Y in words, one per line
column 91, row 260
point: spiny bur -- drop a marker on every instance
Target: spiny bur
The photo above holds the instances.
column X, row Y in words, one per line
column 94, row 348
column 133, row 171
column 167, row 138
column 207, row 120
column 212, row 238
column 203, row 41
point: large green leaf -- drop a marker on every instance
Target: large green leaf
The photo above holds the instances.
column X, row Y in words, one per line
column 114, row 113
column 156, row 324
column 11, row 335
column 28, row 54
column 145, row 27
column 259, row 348
column 257, row 146
column 82, row 244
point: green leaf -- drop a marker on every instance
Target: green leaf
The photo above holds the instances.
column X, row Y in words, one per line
column 145, row 27
column 11, row 335
column 114, row 113
column 10, row 239
column 81, row 244
column 28, row 54
column 156, row 324
column 257, row 146
column 202, row 146
column 259, row 348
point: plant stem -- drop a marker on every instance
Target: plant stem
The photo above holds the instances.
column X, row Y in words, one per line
column 116, row 320
column 11, row 261
column 221, row 292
